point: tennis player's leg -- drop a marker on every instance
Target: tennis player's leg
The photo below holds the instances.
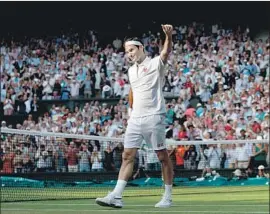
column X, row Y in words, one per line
column 132, row 142
column 156, row 135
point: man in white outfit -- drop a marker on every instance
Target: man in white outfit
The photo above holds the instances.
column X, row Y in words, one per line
column 147, row 119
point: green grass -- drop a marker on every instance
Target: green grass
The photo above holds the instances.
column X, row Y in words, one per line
column 210, row 200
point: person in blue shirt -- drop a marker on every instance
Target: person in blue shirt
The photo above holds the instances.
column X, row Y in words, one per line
column 65, row 93
column 87, row 86
column 81, row 76
column 259, row 113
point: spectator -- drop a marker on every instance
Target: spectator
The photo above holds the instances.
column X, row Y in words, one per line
column 8, row 105
column 190, row 158
column 60, row 159
column 203, row 159
column 74, row 89
column 117, row 43
column 72, row 158
column 250, row 172
column 84, row 159
column 228, row 87
column 3, row 124
column 179, row 155
column 231, row 156
column 259, row 154
column 106, row 91
column 40, row 158
column 108, row 159
column 18, row 161
column 56, row 89
column 261, row 172
column 87, row 86
column 214, row 156
column 96, row 160
column 243, row 156
column 118, row 150
column 152, row 159
column 20, row 105
column 8, row 161
column 239, row 175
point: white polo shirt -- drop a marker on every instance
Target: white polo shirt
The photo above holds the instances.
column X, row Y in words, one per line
column 147, row 80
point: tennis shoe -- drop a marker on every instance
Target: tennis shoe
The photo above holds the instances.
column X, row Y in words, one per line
column 110, row 201
column 165, row 202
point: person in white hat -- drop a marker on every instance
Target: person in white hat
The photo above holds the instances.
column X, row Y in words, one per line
column 3, row 124
column 261, row 172
column 106, row 91
column 237, row 174
column 147, row 119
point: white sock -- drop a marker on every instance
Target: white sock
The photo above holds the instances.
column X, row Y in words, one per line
column 119, row 188
column 168, row 190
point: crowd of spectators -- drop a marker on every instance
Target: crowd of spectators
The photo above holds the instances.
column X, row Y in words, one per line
column 220, row 79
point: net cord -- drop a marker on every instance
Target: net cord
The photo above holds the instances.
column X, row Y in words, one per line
column 115, row 139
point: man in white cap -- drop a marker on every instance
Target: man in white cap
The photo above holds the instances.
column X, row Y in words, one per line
column 261, row 172
column 238, row 174
column 106, row 91
column 147, row 119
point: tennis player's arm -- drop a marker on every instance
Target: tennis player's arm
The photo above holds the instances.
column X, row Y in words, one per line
column 130, row 102
column 130, row 98
column 167, row 47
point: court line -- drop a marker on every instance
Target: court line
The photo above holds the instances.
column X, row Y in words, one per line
column 135, row 211
column 135, row 205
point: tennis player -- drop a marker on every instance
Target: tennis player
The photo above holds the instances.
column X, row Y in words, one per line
column 147, row 117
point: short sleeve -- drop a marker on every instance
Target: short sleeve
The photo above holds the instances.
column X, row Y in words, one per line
column 159, row 64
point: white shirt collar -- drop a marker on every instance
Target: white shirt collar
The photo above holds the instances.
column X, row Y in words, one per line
column 143, row 62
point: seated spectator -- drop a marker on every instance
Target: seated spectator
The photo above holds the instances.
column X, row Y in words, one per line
column 208, row 173
column 250, row 172
column 261, row 172
column 239, row 175
column 106, row 91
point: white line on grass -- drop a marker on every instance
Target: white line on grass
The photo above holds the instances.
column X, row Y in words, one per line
column 135, row 205
column 133, row 211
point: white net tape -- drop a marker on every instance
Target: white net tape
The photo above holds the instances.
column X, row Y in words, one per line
column 114, row 139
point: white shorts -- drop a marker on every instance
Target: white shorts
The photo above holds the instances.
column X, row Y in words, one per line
column 149, row 128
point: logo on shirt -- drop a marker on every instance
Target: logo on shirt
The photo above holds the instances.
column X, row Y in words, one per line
column 145, row 69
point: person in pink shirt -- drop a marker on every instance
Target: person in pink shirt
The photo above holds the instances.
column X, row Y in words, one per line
column 230, row 135
column 208, row 121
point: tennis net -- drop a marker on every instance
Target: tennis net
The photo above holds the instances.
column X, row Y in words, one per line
column 46, row 165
